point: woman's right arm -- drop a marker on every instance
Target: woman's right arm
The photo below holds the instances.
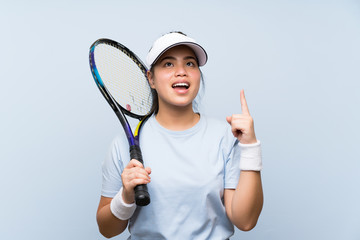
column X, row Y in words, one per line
column 109, row 225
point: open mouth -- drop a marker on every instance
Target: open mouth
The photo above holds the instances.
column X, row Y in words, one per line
column 181, row 85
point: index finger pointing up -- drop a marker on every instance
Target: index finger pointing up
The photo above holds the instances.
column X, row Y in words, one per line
column 244, row 106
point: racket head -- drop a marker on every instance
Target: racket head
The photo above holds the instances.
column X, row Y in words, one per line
column 121, row 77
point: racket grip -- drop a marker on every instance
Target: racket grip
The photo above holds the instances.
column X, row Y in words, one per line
column 142, row 197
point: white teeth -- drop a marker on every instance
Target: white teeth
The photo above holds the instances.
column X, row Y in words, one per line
column 180, row 85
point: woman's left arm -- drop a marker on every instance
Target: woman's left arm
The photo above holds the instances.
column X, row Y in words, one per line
column 244, row 204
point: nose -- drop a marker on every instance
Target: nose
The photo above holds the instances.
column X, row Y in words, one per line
column 180, row 71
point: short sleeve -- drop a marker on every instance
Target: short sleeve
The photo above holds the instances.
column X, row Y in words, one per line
column 112, row 168
column 232, row 160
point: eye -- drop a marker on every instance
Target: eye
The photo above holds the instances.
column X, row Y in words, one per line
column 168, row 64
column 190, row 64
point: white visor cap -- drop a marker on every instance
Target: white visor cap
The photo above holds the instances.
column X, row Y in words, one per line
column 171, row 40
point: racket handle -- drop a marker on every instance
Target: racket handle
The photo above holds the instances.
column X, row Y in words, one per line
column 142, row 197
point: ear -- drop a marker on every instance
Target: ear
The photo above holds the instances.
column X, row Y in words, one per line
column 150, row 77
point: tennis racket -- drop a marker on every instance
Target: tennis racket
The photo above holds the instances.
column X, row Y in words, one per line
column 121, row 78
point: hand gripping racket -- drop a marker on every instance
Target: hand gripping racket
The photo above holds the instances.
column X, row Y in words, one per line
column 121, row 78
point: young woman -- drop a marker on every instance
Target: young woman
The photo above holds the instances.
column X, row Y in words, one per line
column 205, row 173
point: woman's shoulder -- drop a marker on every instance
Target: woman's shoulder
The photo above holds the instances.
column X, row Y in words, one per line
column 215, row 122
column 220, row 131
column 218, row 127
column 119, row 142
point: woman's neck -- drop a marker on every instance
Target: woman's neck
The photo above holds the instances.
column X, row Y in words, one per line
column 177, row 119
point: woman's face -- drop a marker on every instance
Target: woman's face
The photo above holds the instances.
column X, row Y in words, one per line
column 176, row 77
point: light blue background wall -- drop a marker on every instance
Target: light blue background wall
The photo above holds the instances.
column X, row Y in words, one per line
column 298, row 61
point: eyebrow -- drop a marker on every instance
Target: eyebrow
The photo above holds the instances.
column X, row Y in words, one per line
column 173, row 58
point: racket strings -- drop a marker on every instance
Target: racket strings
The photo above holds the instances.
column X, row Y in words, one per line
column 124, row 79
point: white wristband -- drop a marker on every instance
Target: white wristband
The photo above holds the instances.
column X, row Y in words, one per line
column 250, row 157
column 120, row 209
